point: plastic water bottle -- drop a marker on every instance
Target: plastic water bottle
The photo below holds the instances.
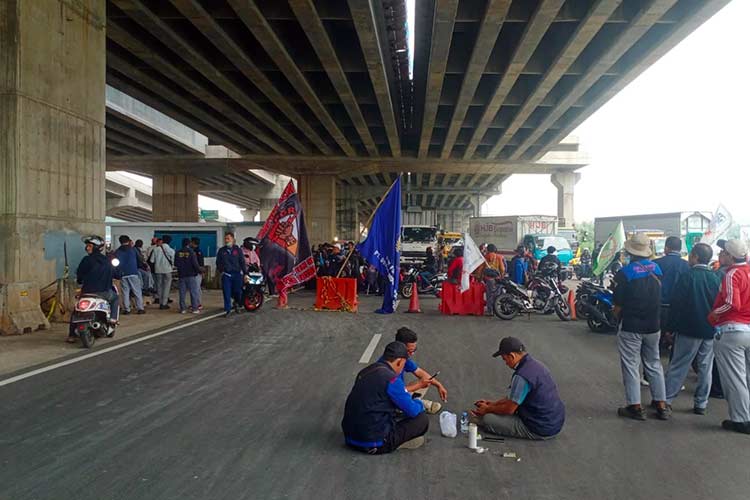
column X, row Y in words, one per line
column 464, row 422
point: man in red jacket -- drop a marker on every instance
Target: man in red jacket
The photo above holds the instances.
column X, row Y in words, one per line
column 731, row 317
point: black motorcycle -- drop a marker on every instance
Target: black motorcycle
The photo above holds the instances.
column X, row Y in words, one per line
column 544, row 296
column 410, row 275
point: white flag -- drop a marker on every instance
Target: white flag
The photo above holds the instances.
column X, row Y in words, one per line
column 473, row 258
column 719, row 226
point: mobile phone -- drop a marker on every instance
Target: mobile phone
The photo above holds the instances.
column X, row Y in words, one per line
column 436, row 374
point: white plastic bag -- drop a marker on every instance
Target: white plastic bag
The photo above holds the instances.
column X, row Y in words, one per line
column 448, row 424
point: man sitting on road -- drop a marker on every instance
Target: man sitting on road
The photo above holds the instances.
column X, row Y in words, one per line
column 408, row 337
column 533, row 409
column 369, row 422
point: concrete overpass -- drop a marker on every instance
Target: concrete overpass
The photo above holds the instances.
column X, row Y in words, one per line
column 319, row 90
column 127, row 198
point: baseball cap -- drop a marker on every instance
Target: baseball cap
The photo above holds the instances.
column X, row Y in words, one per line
column 736, row 248
column 395, row 350
column 509, row 345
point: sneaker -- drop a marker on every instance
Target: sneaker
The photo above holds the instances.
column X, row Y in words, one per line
column 431, row 407
column 197, row 311
column 141, row 311
column 183, row 311
column 741, row 427
column 413, row 444
column 227, row 314
column 664, row 413
column 699, row 411
column 632, row 411
column 644, row 382
column 163, row 307
column 125, row 312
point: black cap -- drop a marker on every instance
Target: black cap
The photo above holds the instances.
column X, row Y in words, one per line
column 509, row 345
column 721, row 244
column 395, row 350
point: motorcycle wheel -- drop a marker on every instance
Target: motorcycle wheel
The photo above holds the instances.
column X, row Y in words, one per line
column 562, row 309
column 253, row 300
column 504, row 308
column 598, row 327
column 87, row 337
column 407, row 290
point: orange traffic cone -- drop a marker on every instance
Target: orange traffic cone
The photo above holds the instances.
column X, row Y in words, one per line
column 572, row 305
column 414, row 302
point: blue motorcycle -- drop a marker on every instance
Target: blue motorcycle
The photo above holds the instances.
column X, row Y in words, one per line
column 595, row 303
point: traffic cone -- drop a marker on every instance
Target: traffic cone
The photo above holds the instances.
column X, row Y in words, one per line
column 414, row 302
column 572, row 305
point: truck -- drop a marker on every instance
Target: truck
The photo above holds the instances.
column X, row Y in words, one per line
column 506, row 232
column 415, row 238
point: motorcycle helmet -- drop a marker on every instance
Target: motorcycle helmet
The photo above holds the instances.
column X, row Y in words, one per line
column 548, row 268
column 250, row 243
column 96, row 241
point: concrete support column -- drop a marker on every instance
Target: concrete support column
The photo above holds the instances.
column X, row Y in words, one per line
column 347, row 216
column 318, row 196
column 565, row 183
column 52, row 147
column 175, row 198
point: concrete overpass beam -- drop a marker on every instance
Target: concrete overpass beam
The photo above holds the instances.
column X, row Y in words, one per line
column 318, row 196
column 175, row 198
column 565, row 183
column 51, row 146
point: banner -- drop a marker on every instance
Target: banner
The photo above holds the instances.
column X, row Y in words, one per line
column 473, row 258
column 381, row 247
column 607, row 254
column 718, row 227
column 284, row 249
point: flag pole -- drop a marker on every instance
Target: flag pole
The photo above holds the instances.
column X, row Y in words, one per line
column 369, row 221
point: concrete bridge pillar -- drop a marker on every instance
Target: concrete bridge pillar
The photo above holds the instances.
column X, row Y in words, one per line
column 175, row 198
column 565, row 183
column 318, row 196
column 52, row 149
column 347, row 216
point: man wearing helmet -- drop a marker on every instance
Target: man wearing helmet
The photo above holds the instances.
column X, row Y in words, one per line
column 249, row 247
column 550, row 263
column 95, row 277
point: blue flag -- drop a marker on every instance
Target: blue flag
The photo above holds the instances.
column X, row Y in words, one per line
column 381, row 246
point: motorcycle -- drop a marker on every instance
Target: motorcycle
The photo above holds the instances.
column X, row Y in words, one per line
column 253, row 290
column 411, row 276
column 595, row 303
column 544, row 296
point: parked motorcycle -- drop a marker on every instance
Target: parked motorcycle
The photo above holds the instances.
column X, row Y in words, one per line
column 595, row 303
column 543, row 296
column 253, row 290
column 411, row 275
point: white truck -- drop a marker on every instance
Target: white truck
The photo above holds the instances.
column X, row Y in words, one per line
column 506, row 232
column 414, row 242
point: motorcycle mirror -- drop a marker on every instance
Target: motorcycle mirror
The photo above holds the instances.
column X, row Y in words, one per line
column 115, row 262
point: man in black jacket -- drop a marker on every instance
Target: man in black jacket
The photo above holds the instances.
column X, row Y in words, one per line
column 94, row 274
column 188, row 272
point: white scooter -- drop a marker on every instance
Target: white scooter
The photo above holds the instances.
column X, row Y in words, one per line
column 91, row 318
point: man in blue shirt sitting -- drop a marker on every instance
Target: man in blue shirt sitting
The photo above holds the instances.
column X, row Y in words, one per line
column 370, row 424
column 533, row 409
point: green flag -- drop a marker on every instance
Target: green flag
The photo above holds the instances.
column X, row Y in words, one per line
column 614, row 244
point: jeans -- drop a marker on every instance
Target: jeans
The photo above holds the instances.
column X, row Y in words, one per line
column 131, row 284
column 192, row 285
column 684, row 350
column 633, row 346
column 147, row 279
column 425, row 276
column 732, row 349
column 231, row 286
column 163, row 284
column 509, row 426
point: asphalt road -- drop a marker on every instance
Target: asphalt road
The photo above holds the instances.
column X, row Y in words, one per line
column 250, row 408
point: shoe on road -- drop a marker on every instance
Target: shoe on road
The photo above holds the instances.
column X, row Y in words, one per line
column 183, row 311
column 644, row 382
column 431, row 407
column 227, row 314
column 664, row 413
column 741, row 427
column 699, row 411
column 126, row 312
column 163, row 307
column 413, row 444
column 141, row 311
column 634, row 412
column 196, row 311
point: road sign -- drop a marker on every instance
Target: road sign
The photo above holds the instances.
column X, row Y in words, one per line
column 209, row 214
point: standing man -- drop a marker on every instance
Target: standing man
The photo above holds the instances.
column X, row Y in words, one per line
column 162, row 256
column 130, row 280
column 672, row 266
column 519, row 266
column 691, row 301
column 370, row 424
column 188, row 271
column 533, row 409
column 231, row 264
column 637, row 300
column 731, row 317
column 144, row 271
column 195, row 244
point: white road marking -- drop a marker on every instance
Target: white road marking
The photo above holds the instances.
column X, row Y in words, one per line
column 78, row 359
column 370, row 349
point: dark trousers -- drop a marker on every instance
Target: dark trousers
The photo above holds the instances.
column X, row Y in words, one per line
column 231, row 285
column 405, row 430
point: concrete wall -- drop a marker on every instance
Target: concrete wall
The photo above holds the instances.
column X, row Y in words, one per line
column 52, row 73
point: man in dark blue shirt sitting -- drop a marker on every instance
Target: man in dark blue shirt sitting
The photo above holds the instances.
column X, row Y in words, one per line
column 370, row 423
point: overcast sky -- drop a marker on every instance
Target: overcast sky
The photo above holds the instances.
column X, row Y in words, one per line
column 675, row 139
